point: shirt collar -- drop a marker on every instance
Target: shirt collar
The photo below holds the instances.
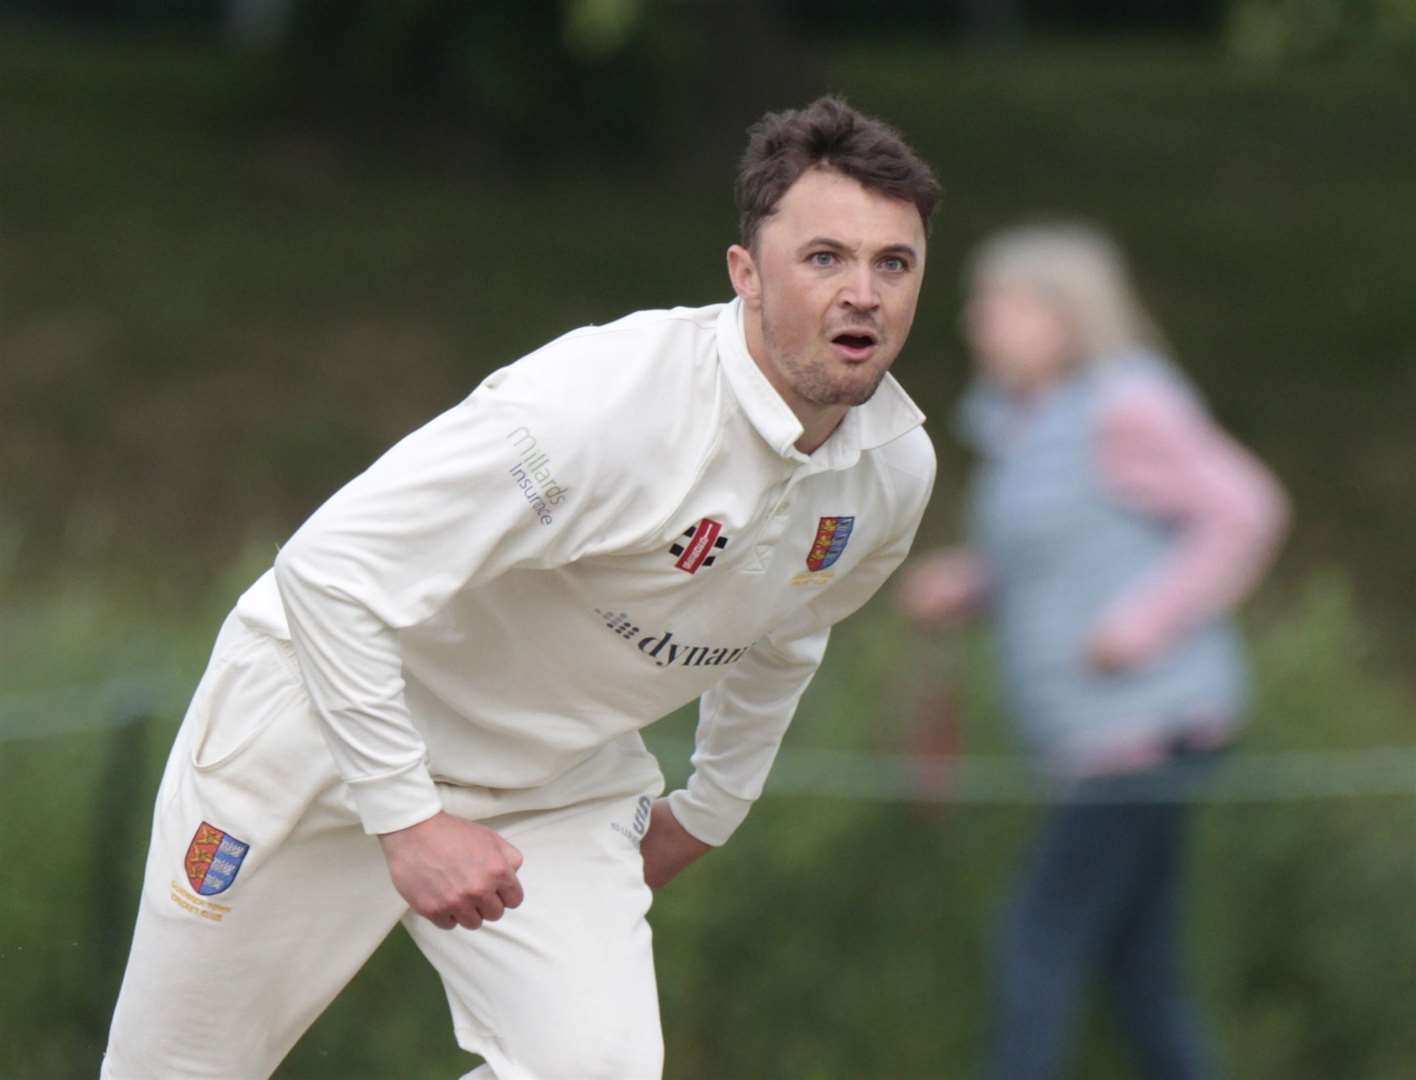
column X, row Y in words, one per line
column 885, row 417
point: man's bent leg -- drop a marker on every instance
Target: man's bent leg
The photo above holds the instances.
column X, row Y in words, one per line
column 562, row 987
column 262, row 895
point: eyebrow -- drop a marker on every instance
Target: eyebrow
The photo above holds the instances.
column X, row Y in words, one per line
column 888, row 249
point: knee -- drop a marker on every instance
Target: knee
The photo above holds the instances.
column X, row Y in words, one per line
column 607, row 1052
column 623, row 1055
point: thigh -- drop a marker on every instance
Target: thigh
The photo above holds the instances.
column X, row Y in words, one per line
column 1076, row 883
column 262, row 895
column 1068, row 872
column 563, row 986
column 1145, row 929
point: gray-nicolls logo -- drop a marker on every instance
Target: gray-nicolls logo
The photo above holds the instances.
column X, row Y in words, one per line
column 637, row 828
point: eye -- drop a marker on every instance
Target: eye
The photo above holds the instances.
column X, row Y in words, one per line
column 823, row 259
column 894, row 264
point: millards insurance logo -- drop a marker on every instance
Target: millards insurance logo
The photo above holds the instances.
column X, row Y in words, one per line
column 532, row 474
column 664, row 651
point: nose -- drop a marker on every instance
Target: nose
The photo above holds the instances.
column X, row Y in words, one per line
column 859, row 290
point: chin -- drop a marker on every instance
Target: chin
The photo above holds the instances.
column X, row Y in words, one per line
column 857, row 394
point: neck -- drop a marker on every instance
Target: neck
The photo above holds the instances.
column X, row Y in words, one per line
column 819, row 427
column 1038, row 385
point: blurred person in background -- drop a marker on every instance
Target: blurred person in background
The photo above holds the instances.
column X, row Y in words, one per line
column 1113, row 529
column 428, row 711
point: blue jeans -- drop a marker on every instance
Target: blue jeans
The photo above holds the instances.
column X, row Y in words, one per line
column 1099, row 896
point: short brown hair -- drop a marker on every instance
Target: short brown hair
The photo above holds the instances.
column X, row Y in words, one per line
column 827, row 134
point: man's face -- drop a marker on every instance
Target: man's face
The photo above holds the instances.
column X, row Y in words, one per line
column 830, row 290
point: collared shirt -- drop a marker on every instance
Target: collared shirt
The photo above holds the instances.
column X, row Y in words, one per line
column 605, row 530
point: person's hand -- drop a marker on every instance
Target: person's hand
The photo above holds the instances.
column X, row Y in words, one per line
column 944, row 586
column 667, row 847
column 452, row 871
column 1117, row 646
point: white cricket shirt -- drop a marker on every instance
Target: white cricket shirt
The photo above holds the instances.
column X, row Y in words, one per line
column 603, row 531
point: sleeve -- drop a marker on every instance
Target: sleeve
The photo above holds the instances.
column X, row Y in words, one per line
column 742, row 720
column 503, row 480
column 1162, row 455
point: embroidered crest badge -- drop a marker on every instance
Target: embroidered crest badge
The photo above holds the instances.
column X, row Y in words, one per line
column 213, row 858
column 699, row 545
column 831, row 536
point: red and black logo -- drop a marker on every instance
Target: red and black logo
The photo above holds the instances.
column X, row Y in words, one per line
column 699, row 545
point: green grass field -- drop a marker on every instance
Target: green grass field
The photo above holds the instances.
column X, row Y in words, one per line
column 833, row 937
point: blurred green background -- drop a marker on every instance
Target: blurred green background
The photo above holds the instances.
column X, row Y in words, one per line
column 244, row 246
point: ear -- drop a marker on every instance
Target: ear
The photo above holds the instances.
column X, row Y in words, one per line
column 742, row 272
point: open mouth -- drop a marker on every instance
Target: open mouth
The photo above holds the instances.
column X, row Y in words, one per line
column 855, row 346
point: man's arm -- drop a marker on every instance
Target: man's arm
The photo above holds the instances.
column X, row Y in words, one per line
column 668, row 847
column 743, row 719
column 440, row 512
column 385, row 553
column 434, row 515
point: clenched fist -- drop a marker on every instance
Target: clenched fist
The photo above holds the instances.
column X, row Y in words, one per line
column 452, row 871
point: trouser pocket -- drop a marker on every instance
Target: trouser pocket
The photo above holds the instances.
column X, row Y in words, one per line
column 250, row 685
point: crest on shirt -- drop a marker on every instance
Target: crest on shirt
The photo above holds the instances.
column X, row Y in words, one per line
column 213, row 858
column 699, row 545
column 832, row 535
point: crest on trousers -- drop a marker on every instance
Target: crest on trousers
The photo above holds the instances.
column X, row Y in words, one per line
column 213, row 858
column 832, row 533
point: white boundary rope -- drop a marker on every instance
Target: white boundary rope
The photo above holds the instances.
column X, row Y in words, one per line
column 975, row 779
column 983, row 779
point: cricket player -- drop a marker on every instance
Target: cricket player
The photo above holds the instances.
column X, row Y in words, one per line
column 428, row 711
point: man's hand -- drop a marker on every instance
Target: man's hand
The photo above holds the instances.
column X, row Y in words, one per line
column 452, row 871
column 668, row 847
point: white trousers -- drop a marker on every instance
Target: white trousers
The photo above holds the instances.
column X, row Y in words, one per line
column 263, row 896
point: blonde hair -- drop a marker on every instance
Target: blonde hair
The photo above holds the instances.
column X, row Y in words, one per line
column 1079, row 270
